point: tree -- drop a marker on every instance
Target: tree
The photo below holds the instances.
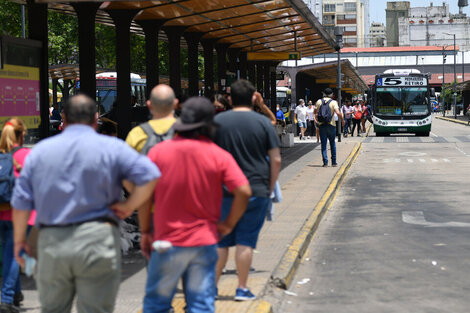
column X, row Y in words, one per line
column 10, row 18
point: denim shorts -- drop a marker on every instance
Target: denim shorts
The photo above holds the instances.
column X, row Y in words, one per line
column 302, row 124
column 248, row 227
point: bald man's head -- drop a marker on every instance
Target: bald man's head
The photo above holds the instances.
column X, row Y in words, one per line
column 80, row 109
column 162, row 99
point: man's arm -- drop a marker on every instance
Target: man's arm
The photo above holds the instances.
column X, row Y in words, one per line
column 138, row 197
column 241, row 195
column 259, row 102
column 20, row 224
column 145, row 216
column 275, row 166
column 340, row 115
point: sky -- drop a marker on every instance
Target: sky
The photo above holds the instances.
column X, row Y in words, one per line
column 377, row 7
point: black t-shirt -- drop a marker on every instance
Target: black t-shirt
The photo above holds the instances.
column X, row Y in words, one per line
column 248, row 136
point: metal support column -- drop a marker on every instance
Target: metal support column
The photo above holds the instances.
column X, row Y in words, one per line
column 221, row 67
column 174, row 34
column 55, row 82
column 267, row 83
column 37, row 30
column 242, row 65
column 251, row 71
column 86, row 12
column 192, row 41
column 122, row 21
column 273, row 88
column 208, row 46
column 259, row 77
column 443, row 91
column 151, row 29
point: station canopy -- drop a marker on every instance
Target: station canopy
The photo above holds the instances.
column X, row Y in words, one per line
column 326, row 73
column 249, row 25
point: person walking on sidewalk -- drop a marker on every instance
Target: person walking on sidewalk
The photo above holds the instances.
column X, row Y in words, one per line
column 79, row 246
column 188, row 222
column 250, row 138
column 347, row 111
column 300, row 114
column 325, row 108
column 356, row 118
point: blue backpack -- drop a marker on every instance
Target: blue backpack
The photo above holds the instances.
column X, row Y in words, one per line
column 324, row 114
column 7, row 175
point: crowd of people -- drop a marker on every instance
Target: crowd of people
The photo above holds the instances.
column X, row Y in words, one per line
column 201, row 183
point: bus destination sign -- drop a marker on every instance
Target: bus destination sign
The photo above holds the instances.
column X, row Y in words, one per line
column 403, row 81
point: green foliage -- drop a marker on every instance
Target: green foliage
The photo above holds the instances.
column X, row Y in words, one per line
column 10, row 18
column 105, row 46
column 63, row 38
column 449, row 94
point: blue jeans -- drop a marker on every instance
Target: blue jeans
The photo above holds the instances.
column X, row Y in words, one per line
column 347, row 126
column 195, row 265
column 11, row 269
column 328, row 132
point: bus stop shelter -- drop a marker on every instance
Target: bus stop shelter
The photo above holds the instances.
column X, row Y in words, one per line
column 229, row 28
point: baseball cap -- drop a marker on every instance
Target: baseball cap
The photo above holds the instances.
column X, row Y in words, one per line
column 196, row 112
column 327, row 91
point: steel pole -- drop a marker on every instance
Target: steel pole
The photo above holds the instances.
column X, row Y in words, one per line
column 23, row 22
column 455, row 80
column 443, row 92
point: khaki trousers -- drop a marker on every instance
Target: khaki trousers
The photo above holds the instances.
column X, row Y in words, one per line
column 83, row 261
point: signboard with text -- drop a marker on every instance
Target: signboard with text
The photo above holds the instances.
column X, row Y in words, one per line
column 273, row 56
column 403, row 81
column 19, row 82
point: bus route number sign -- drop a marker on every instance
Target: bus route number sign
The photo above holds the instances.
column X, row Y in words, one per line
column 401, row 81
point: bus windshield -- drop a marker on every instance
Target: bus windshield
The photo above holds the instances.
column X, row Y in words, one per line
column 402, row 101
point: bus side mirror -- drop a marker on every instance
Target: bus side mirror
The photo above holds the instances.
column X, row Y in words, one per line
column 433, row 92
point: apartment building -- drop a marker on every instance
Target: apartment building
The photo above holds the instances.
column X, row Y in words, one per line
column 377, row 37
column 353, row 15
column 316, row 7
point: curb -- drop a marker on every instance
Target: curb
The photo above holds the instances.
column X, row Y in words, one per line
column 260, row 306
column 453, row 120
column 284, row 272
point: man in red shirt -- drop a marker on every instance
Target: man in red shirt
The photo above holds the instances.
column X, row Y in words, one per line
column 187, row 211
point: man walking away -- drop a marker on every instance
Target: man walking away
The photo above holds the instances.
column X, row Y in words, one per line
column 79, row 245
column 324, row 111
column 187, row 211
column 250, row 138
column 300, row 114
column 161, row 104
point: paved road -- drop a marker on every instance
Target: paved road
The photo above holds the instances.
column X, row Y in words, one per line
column 397, row 237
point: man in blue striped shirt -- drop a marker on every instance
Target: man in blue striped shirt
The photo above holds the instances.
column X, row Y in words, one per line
column 74, row 182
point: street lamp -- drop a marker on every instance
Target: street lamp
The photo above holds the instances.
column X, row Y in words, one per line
column 339, row 31
column 455, row 78
column 443, row 91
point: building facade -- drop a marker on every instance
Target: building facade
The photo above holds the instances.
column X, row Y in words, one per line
column 427, row 26
column 377, row 37
column 316, row 7
column 353, row 15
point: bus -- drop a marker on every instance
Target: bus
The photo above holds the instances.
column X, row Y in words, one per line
column 400, row 101
column 283, row 96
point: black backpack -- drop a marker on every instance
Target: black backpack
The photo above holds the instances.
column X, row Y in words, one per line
column 7, row 176
column 153, row 138
column 324, row 114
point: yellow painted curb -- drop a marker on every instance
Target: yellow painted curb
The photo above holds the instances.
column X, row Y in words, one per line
column 453, row 120
column 260, row 306
column 284, row 272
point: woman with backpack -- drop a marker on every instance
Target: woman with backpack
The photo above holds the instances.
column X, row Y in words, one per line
column 357, row 116
column 11, row 142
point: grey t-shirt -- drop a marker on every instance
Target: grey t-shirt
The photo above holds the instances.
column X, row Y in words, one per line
column 248, row 136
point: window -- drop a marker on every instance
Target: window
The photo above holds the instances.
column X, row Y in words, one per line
column 350, row 6
column 350, row 16
column 328, row 19
column 350, row 40
column 329, row 8
column 340, row 17
column 350, row 29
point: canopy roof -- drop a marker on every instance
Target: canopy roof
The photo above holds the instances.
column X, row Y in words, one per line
column 326, row 73
column 249, row 25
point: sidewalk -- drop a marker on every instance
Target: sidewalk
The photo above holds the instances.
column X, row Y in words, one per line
column 461, row 119
column 303, row 181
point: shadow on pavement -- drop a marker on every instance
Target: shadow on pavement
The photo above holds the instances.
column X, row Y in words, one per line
column 290, row 155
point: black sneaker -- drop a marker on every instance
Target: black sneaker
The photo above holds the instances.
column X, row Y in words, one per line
column 325, row 165
column 18, row 298
column 9, row 308
column 334, row 164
